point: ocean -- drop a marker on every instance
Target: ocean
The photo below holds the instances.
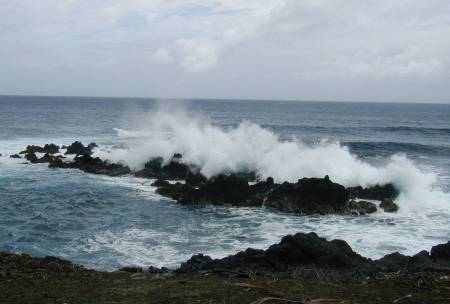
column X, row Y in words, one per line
column 109, row 222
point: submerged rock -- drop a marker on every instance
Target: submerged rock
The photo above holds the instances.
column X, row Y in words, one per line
column 388, row 205
column 309, row 195
column 15, row 156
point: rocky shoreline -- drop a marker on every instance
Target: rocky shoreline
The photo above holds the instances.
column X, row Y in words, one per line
column 291, row 271
column 306, row 196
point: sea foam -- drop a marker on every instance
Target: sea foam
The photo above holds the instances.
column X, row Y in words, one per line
column 249, row 147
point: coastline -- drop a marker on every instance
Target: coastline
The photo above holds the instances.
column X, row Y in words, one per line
column 27, row 279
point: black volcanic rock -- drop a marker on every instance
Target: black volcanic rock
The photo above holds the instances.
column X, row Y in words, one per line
column 388, row 205
column 309, row 195
column 174, row 170
column 48, row 148
column 294, row 251
column 441, row 252
column 362, row 207
column 223, row 190
column 377, row 192
column 92, row 165
column 77, row 148
column 15, row 156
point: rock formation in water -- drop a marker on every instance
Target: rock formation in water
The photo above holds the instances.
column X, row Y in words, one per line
column 307, row 195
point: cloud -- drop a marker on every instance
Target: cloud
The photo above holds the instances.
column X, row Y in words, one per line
column 302, row 49
column 162, row 55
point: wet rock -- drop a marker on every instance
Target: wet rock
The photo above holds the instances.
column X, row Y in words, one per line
column 222, row 190
column 309, row 195
column 15, row 156
column 174, row 170
column 441, row 252
column 294, row 251
column 377, row 192
column 388, row 205
column 48, row 148
column 92, row 165
column 361, row 207
column 77, row 148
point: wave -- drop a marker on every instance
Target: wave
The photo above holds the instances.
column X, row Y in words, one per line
column 249, row 147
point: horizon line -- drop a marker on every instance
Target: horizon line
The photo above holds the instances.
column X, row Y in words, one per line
column 225, row 99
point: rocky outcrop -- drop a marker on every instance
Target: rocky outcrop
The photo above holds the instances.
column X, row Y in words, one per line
column 377, row 192
column 77, row 148
column 388, row 205
column 361, row 207
column 48, row 148
column 309, row 195
column 308, row 251
column 15, row 156
column 89, row 164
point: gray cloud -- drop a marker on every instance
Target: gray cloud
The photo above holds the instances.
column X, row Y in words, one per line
column 276, row 49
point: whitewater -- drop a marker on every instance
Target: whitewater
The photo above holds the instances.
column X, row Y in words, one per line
column 106, row 223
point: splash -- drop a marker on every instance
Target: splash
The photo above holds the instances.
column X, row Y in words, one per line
column 248, row 146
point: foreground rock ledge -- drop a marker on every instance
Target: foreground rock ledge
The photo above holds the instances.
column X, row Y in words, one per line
column 302, row 268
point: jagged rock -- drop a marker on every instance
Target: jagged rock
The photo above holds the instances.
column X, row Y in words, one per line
column 222, row 190
column 92, row 165
column 174, row 170
column 48, row 148
column 309, row 195
column 294, row 251
column 388, row 205
column 377, row 192
column 77, row 148
column 362, row 207
column 441, row 252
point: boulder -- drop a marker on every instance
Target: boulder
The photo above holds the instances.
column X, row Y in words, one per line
column 388, row 205
column 48, row 148
column 361, row 207
column 309, row 195
column 77, row 148
column 294, row 251
column 441, row 252
column 377, row 192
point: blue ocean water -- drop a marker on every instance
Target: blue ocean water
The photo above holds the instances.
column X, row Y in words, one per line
column 105, row 223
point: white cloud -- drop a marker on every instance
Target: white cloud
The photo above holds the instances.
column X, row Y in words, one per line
column 162, row 55
column 270, row 49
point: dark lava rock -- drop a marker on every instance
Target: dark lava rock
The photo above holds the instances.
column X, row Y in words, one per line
column 361, row 207
column 222, row 190
column 377, row 192
column 48, row 148
column 77, row 148
column 388, row 205
column 294, row 251
column 441, row 252
column 309, row 195
column 92, row 165
column 174, row 170
column 15, row 156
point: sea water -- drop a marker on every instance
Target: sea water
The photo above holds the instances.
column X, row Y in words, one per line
column 109, row 222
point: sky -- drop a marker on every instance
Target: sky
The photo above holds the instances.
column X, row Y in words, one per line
column 342, row 50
